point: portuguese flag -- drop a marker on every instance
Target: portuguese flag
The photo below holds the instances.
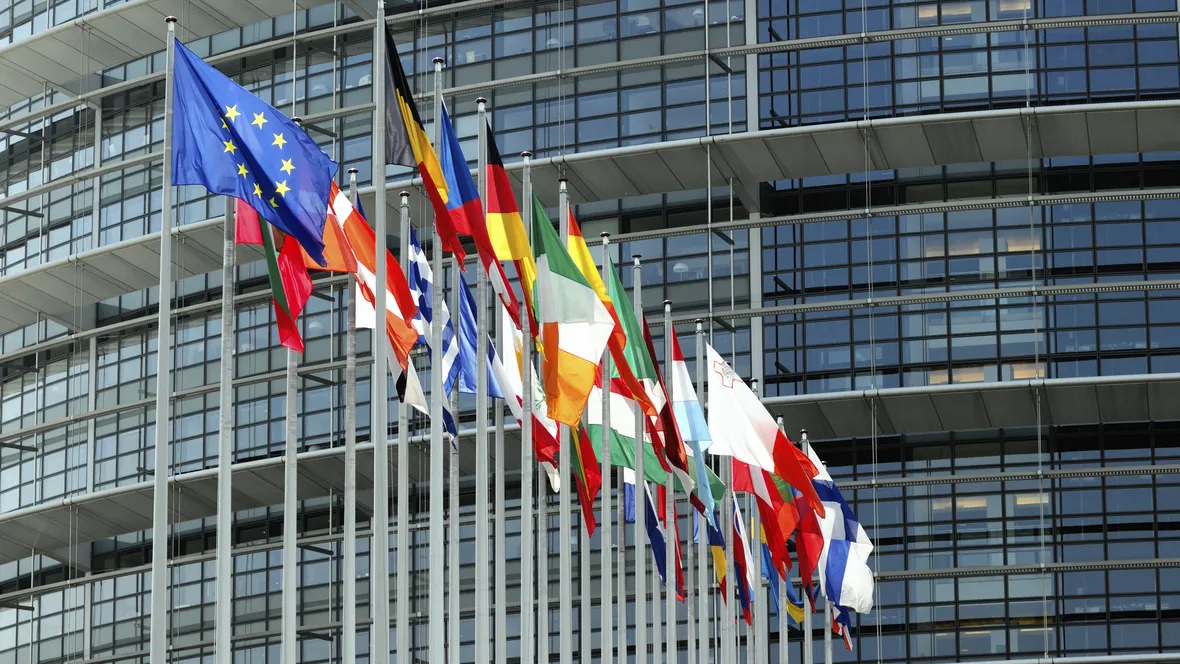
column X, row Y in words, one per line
column 587, row 475
column 290, row 285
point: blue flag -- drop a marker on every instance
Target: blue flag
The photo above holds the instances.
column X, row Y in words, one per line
column 235, row 144
column 468, row 333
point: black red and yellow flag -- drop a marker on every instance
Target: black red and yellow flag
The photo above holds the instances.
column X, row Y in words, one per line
column 406, row 144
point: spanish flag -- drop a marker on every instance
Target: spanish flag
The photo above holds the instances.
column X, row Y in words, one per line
column 406, row 144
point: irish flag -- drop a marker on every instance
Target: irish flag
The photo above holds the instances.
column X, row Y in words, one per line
column 573, row 322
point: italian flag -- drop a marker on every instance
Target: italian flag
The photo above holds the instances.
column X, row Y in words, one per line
column 574, row 324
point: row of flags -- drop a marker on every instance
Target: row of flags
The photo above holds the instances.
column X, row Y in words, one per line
column 287, row 202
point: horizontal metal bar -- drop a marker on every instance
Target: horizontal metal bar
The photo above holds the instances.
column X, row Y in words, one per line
column 148, row 321
column 14, row 446
column 317, row 549
column 661, row 60
column 1011, row 476
column 27, row 213
column 935, row 298
column 957, row 572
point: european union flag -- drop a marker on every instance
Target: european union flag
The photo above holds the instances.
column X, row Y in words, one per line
column 235, row 144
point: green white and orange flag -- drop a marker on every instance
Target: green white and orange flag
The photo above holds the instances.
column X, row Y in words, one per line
column 573, row 322
column 580, row 253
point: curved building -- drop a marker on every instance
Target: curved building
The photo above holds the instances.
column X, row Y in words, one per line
column 943, row 236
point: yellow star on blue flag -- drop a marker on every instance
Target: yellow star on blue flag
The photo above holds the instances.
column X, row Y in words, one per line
column 269, row 157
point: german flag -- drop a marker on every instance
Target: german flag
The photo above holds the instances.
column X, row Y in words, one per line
column 406, row 144
column 587, row 475
column 509, row 238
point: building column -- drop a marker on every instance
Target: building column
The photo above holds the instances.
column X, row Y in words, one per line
column 91, row 403
column 757, row 368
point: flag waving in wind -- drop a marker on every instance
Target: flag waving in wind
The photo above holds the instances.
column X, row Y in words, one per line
column 574, row 324
column 690, row 418
column 466, row 212
column 235, row 144
column 406, row 144
column 742, row 428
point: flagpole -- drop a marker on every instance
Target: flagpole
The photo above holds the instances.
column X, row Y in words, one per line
column 437, row 579
column 702, row 535
column 481, row 409
column 501, row 581
column 403, row 474
column 453, row 476
column 640, row 495
column 623, row 586
column 158, row 624
column 527, row 609
column 378, row 382
column 584, row 576
column 565, row 559
column 728, row 624
column 809, row 609
column 288, row 644
column 758, row 635
column 671, row 531
column 348, row 615
column 657, row 641
column 783, row 651
column 608, row 603
column 827, row 602
column 543, row 571
column 223, row 629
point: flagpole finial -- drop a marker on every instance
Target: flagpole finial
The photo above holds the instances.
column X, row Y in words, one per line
column 297, row 120
column 353, row 171
column 526, row 154
column 438, row 60
column 171, row 20
column 604, row 235
column 700, row 321
column 404, row 194
column 481, row 100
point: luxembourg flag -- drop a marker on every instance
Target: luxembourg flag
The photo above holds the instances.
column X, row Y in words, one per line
column 690, row 417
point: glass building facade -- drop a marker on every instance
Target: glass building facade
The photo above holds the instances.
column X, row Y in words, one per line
column 1017, row 541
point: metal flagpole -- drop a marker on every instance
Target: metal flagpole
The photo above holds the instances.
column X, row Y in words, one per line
column 703, row 533
column 543, row 571
column 607, row 553
column 809, row 605
column 288, row 644
column 348, row 616
column 224, row 617
column 827, row 602
column 565, row 559
column 622, row 567
column 585, row 603
column 403, row 476
column 670, row 504
column 158, row 643
column 756, row 637
column 657, row 636
column 527, row 609
column 783, row 653
column 640, row 496
column 481, row 412
column 437, row 579
column 453, row 486
column 728, row 626
column 378, row 381
column 501, row 581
